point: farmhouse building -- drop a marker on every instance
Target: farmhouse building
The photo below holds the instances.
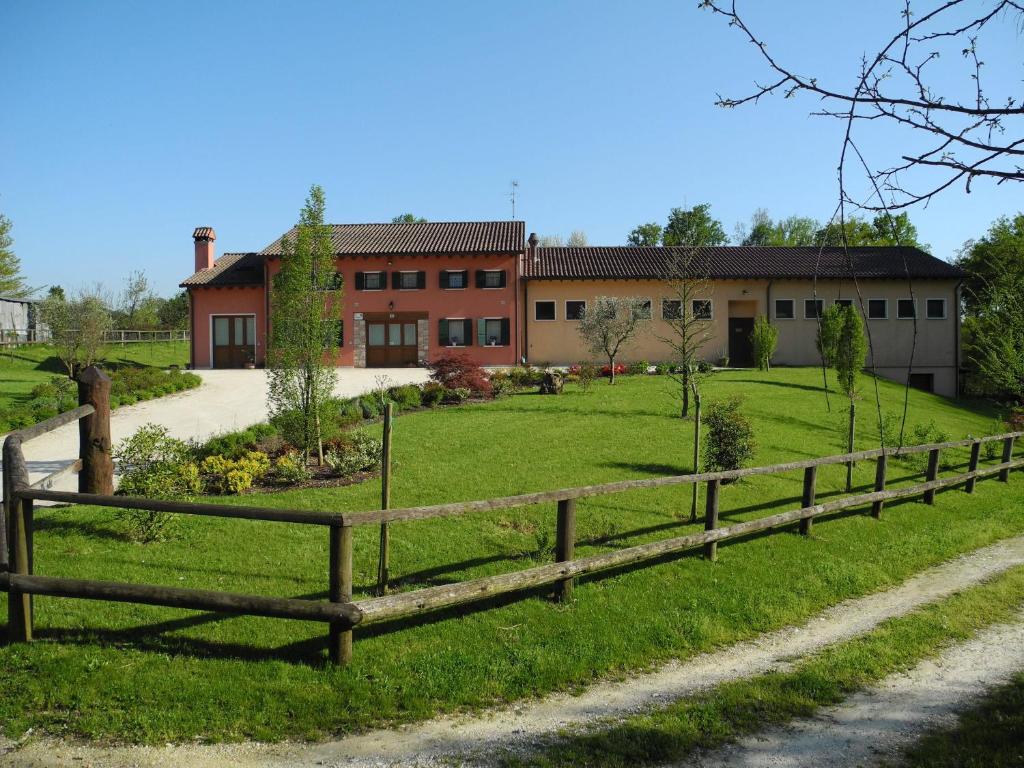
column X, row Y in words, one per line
column 412, row 290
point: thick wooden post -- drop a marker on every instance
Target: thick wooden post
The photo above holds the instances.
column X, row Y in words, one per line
column 711, row 518
column 975, row 455
column 94, row 448
column 19, row 512
column 807, row 500
column 339, row 644
column 933, row 472
column 384, row 561
column 565, row 545
column 880, row 468
column 1004, row 475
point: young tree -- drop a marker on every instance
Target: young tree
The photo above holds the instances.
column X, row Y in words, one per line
column 305, row 312
column 645, row 234
column 829, row 328
column 764, row 338
column 694, row 226
column 78, row 328
column 12, row 282
column 850, row 351
column 688, row 289
column 612, row 323
column 134, row 309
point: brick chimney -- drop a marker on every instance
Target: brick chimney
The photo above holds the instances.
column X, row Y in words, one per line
column 204, row 237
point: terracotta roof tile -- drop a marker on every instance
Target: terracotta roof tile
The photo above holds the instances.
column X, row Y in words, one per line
column 204, row 233
column 735, row 262
column 229, row 269
column 432, row 237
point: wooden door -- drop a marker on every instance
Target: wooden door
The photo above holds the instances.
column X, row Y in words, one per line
column 741, row 346
column 234, row 340
column 391, row 341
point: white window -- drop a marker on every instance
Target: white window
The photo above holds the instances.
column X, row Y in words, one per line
column 671, row 309
column 784, row 309
column 701, row 309
column 456, row 332
column 574, row 310
column 644, row 310
column 813, row 308
column 408, row 281
column 455, row 279
column 490, row 278
column 935, row 309
column 374, row 281
column 492, row 331
column 905, row 309
column 544, row 310
column 878, row 309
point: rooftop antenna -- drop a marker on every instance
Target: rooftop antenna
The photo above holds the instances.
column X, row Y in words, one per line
column 512, row 196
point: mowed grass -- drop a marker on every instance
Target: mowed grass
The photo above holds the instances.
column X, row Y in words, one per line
column 136, row 673
column 22, row 368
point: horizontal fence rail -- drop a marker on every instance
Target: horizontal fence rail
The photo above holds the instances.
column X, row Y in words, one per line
column 340, row 612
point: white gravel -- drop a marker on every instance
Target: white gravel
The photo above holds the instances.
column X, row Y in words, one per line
column 876, row 724
column 474, row 739
column 226, row 401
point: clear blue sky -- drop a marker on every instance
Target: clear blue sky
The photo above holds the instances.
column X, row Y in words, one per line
column 126, row 124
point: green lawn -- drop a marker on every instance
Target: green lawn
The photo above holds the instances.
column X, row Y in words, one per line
column 22, row 368
column 138, row 673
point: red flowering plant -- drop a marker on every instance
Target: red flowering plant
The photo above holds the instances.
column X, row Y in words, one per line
column 457, row 370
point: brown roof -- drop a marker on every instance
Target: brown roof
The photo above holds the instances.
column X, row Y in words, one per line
column 431, row 237
column 229, row 269
column 204, row 233
column 735, row 262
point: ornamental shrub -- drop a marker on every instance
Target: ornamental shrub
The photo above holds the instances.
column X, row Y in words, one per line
column 639, row 368
column 228, row 475
column 502, row 384
column 370, row 406
column 765, row 338
column 406, row 397
column 620, row 369
column 456, row 395
column 359, row 453
column 154, row 465
column 291, row 468
column 730, row 438
column 432, row 395
column 526, row 376
column 457, row 370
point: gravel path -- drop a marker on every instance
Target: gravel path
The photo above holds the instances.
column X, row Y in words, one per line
column 472, row 738
column 876, row 724
column 227, row 400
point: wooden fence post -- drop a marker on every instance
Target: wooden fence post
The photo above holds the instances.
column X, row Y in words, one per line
column 1004, row 475
column 975, row 455
column 94, row 447
column 383, row 563
column 565, row 545
column 19, row 514
column 339, row 643
column 880, row 469
column 933, row 472
column 807, row 500
column 711, row 518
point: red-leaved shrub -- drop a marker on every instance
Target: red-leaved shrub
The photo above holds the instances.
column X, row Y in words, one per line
column 457, row 370
column 620, row 370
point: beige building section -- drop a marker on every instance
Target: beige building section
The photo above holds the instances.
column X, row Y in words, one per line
column 935, row 353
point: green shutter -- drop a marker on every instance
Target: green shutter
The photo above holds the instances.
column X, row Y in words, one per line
column 467, row 330
column 505, row 332
column 481, row 332
column 442, row 333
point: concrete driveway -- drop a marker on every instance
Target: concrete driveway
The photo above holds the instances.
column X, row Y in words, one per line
column 226, row 401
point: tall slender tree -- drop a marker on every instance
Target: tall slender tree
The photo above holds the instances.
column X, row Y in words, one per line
column 12, row 282
column 305, row 317
column 850, row 350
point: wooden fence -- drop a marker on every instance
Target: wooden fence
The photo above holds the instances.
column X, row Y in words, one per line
column 340, row 612
column 17, row 337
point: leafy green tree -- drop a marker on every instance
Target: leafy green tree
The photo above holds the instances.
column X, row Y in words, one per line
column 12, row 282
column 610, row 324
column 56, row 292
column 407, row 218
column 78, row 328
column 305, row 313
column 765, row 338
column 694, row 226
column 645, row 234
column 879, row 231
column 135, row 310
column 992, row 261
column 577, row 239
column 795, row 230
column 996, row 345
column 850, row 351
column 173, row 312
column 829, row 329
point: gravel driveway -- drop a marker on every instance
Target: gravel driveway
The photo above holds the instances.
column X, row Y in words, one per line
column 226, row 401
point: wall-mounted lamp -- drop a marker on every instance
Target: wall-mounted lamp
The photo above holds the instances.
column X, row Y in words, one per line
column 391, row 305
column 745, row 292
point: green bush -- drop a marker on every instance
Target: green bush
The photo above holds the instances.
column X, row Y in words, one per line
column 639, row 368
column 455, row 395
column 432, row 394
column 730, row 439
column 370, row 406
column 523, row 377
column 226, row 475
column 235, row 445
column 406, row 397
column 154, row 465
column 764, row 339
column 359, row 453
column 663, row 369
column 502, row 384
column 924, row 434
column 291, row 468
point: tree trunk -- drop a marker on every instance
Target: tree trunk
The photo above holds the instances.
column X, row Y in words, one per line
column 686, row 397
column 849, row 445
column 696, row 452
column 611, row 369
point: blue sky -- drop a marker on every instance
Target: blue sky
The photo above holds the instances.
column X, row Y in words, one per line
column 127, row 124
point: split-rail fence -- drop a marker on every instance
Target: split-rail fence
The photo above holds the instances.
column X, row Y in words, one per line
column 340, row 612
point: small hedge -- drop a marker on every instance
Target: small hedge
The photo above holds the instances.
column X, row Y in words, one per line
column 127, row 387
